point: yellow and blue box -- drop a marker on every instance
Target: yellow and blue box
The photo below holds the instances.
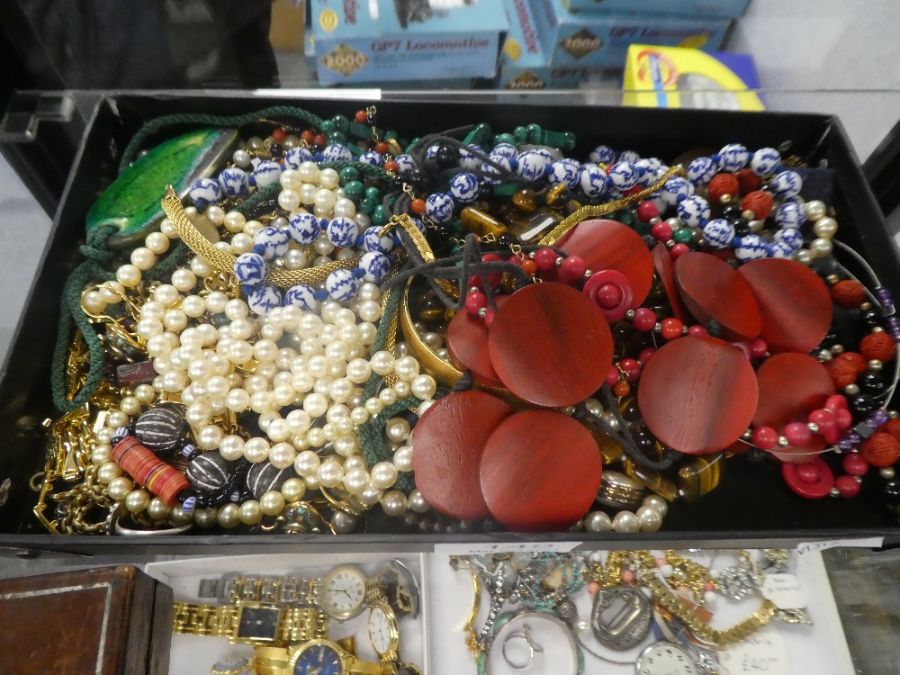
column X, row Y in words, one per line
column 669, row 77
column 728, row 9
column 406, row 40
column 596, row 40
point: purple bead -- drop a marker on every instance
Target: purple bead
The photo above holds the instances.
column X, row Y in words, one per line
column 893, row 323
column 877, row 418
column 887, row 301
column 846, row 444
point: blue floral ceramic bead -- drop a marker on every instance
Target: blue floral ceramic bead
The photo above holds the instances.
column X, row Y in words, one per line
column 779, row 249
column 701, row 170
column 693, row 211
column 676, row 189
column 439, row 207
column 233, row 182
column 786, row 184
column 266, row 173
column 593, row 181
column 342, row 285
column 335, row 152
column 623, row 176
column 650, row 170
column 376, row 266
column 301, row 296
column 790, row 214
column 750, row 247
column 372, row 157
column 264, row 299
column 342, row 231
column 270, row 242
column 405, row 163
column 431, row 152
column 765, row 161
column 294, row 157
column 507, row 150
column 204, row 192
column 304, row 228
column 532, row 164
column 790, row 236
column 250, row 269
column 564, row 172
column 602, row 154
column 492, row 173
column 373, row 240
column 733, row 157
column 464, row 187
column 719, row 233
column 629, row 156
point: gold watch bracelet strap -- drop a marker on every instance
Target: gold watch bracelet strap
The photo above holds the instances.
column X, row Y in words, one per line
column 279, row 589
column 213, row 620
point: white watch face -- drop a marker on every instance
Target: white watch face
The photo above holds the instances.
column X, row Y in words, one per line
column 344, row 591
column 380, row 630
column 665, row 658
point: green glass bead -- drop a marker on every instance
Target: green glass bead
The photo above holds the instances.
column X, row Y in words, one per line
column 367, row 206
column 480, row 135
column 327, row 126
column 455, row 227
column 357, row 130
column 374, row 194
column 639, row 226
column 414, row 141
column 379, row 215
column 349, row 174
column 337, row 137
column 521, row 134
column 683, row 235
column 506, row 189
column 354, row 190
column 504, row 138
column 390, row 135
column 341, row 123
column 535, row 133
column 570, row 140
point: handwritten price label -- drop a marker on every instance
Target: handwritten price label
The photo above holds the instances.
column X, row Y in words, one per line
column 812, row 546
column 784, row 590
column 762, row 654
column 478, row 548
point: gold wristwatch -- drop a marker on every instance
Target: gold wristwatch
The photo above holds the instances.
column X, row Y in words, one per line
column 324, row 657
column 249, row 622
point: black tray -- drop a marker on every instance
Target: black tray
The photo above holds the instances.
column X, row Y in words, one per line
column 751, row 507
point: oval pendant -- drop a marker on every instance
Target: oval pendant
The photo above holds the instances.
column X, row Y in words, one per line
column 620, row 618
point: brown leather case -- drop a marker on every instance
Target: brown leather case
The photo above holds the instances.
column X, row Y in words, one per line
column 111, row 620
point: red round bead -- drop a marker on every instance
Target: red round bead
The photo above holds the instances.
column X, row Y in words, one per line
column 647, row 211
column 808, row 472
column 671, row 329
column 320, row 140
column 844, row 418
column 475, row 301
column 759, row 202
column 797, row 434
column 758, row 348
column 891, row 427
column 765, row 438
column 880, row 346
column 679, row 250
column 631, row 368
column 278, row 135
column 391, row 165
column 827, row 422
column 361, row 116
column 835, row 402
column 646, row 354
column 308, row 135
column 545, row 259
column 723, row 184
column 529, row 266
column 697, row 330
column 748, row 180
column 855, row 465
column 644, row 319
column 489, row 316
column 609, row 296
column 848, row 293
column 621, row 388
column 662, row 231
column 494, row 277
column 417, row 206
column 880, row 449
column 381, row 148
column 847, row 486
column 572, row 268
column 612, row 376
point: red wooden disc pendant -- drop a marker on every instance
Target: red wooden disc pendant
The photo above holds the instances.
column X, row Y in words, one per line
column 794, row 302
column 712, row 290
column 540, row 470
column 662, row 261
column 791, row 386
column 610, row 245
column 467, row 342
column 550, row 345
column 698, row 394
column 447, row 446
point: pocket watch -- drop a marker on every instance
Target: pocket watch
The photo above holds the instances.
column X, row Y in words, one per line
column 342, row 592
column 665, row 658
column 383, row 632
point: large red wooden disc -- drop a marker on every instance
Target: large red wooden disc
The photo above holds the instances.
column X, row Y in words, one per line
column 447, row 445
column 467, row 342
column 698, row 394
column 791, row 386
column 794, row 302
column 550, row 345
column 610, row 245
column 662, row 261
column 712, row 290
column 540, row 470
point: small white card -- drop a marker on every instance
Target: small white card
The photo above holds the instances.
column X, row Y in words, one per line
column 486, row 548
column 762, row 654
column 784, row 590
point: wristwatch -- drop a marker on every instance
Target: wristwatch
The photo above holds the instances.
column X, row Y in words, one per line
column 383, row 632
column 324, row 657
column 254, row 623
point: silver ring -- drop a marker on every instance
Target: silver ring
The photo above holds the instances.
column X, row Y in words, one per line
column 118, row 528
column 534, row 615
column 530, row 642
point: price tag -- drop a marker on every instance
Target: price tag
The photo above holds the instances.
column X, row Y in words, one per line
column 762, row 654
column 784, row 590
column 486, row 548
column 813, row 546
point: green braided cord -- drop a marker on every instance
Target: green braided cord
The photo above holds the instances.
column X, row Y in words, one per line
column 155, row 125
column 368, row 170
column 259, row 196
column 371, row 433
